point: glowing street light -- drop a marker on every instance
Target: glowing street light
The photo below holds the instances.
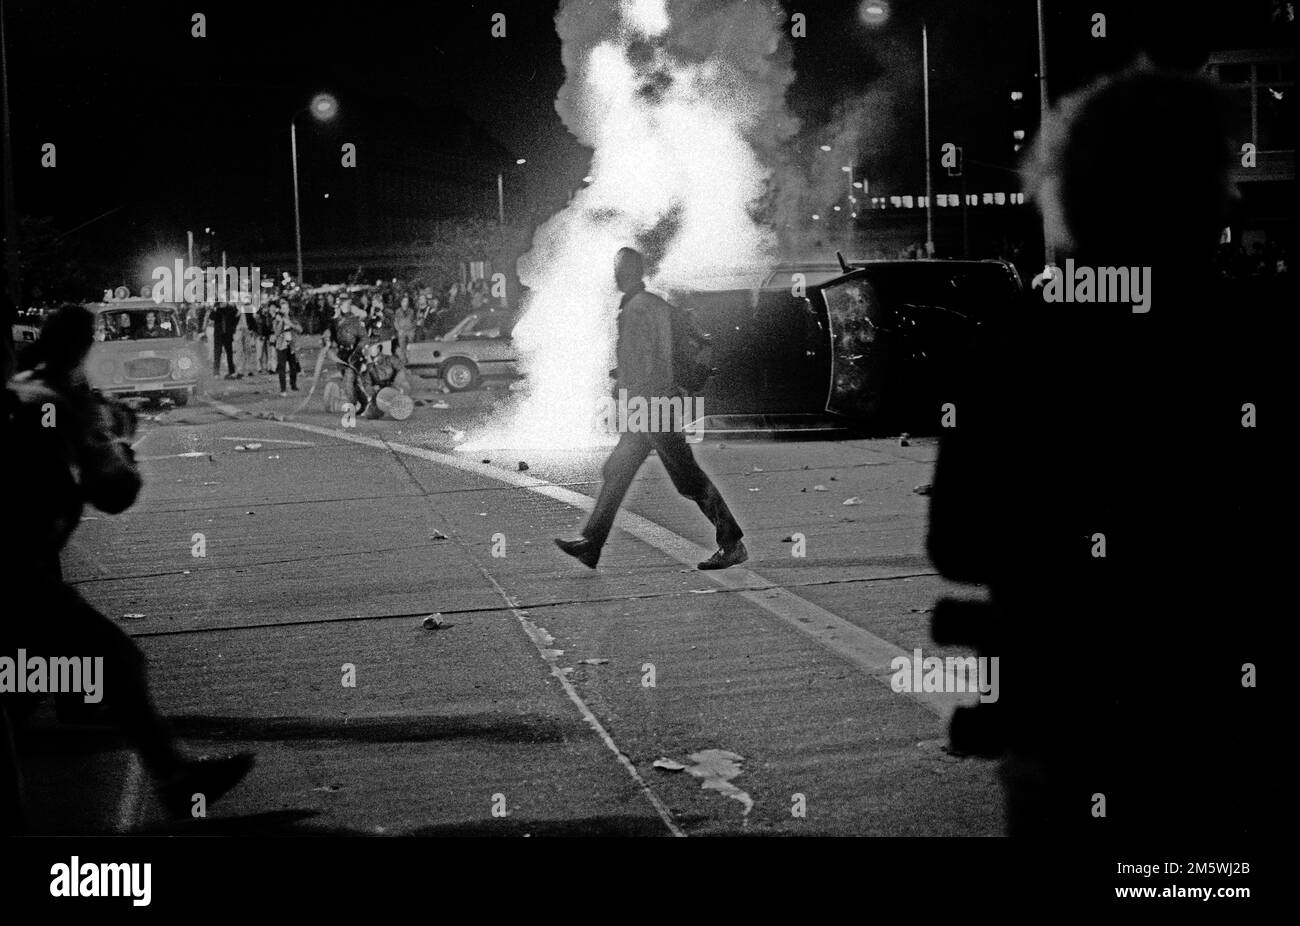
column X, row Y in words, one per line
column 873, row 12
column 324, row 107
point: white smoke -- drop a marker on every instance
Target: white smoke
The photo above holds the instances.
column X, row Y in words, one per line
column 682, row 103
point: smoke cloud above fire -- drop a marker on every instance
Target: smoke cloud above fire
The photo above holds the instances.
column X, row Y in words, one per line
column 683, row 103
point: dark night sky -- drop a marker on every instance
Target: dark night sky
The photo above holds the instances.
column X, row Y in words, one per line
column 183, row 132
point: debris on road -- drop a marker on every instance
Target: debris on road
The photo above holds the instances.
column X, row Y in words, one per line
column 523, row 467
column 669, row 765
column 820, row 488
column 715, row 768
column 439, row 535
column 432, row 622
column 594, row 662
column 133, row 616
column 903, row 439
column 329, row 789
column 922, row 489
column 853, row 500
column 439, row 404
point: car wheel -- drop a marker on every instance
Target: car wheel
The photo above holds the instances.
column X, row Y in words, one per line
column 180, row 397
column 460, row 375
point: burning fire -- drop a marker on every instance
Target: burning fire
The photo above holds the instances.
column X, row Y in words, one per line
column 667, row 107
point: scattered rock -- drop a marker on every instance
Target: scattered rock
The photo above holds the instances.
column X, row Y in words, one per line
column 523, row 467
column 852, row 501
column 439, row 535
column 669, row 765
column 903, row 440
column 820, row 488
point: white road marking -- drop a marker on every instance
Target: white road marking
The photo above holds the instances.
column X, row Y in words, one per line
column 542, row 640
column 870, row 653
column 272, row 440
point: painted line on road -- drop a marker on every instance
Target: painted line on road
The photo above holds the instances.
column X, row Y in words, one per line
column 868, row 652
column 271, row 440
column 542, row 641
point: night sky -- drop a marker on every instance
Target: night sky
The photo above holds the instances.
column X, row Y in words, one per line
column 169, row 132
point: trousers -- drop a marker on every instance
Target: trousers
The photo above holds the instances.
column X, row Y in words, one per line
column 689, row 480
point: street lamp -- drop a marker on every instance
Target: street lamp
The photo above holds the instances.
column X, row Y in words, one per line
column 501, row 191
column 323, row 108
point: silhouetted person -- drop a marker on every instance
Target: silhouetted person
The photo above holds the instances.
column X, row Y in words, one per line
column 66, row 445
column 645, row 370
column 225, row 318
column 1100, row 482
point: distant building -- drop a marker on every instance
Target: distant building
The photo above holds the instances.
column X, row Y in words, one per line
column 1261, row 83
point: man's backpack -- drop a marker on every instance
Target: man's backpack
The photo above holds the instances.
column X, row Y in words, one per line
column 692, row 352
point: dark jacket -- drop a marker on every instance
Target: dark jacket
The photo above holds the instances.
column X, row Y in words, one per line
column 84, row 458
column 645, row 345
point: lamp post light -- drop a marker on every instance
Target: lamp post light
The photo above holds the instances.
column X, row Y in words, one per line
column 501, row 191
column 323, row 108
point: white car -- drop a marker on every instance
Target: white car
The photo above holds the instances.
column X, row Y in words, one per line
column 140, row 350
column 479, row 345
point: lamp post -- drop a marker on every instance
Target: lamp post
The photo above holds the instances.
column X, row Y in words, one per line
column 323, row 107
column 1049, row 249
column 929, row 180
column 501, row 191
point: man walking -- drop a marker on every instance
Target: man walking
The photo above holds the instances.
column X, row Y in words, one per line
column 645, row 369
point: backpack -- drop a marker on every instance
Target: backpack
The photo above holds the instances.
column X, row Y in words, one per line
column 692, row 351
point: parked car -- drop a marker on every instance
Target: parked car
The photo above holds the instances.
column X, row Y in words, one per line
column 140, row 350
column 479, row 345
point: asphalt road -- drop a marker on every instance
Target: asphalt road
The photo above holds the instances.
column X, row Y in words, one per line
column 531, row 711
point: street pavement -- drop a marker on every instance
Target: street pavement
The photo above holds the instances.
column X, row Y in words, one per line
column 543, row 702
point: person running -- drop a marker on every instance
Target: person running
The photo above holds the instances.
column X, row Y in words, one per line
column 85, row 458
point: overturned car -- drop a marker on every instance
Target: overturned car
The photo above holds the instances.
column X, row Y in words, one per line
column 866, row 346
